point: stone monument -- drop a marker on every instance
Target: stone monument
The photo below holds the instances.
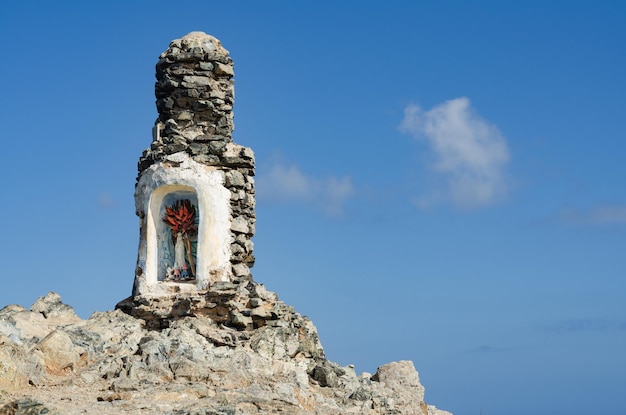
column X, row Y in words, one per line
column 194, row 194
column 195, row 190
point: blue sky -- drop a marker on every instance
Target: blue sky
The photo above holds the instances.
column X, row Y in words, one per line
column 437, row 181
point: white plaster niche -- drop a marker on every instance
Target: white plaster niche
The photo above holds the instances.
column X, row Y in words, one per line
column 190, row 250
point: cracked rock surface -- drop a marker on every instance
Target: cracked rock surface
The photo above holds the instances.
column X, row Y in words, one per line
column 269, row 361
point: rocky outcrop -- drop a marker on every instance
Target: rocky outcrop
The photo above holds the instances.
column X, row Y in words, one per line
column 265, row 358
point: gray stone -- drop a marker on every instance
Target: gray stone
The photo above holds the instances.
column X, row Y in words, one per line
column 221, row 69
column 325, row 375
column 19, row 367
column 240, row 270
column 240, row 224
column 275, row 343
column 235, row 196
column 208, row 159
column 234, row 179
column 50, row 305
column 59, row 353
column 198, row 148
column 401, row 381
column 262, row 312
column 217, row 147
column 185, row 116
column 245, row 242
column 361, row 394
column 223, row 286
column 237, row 319
column 194, row 81
column 123, row 385
column 259, row 291
column 203, row 105
column 235, row 249
column 26, row 406
column 206, row 66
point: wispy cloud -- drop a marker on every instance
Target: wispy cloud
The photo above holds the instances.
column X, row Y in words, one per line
column 583, row 325
column 599, row 215
column 105, row 200
column 485, row 348
column 288, row 184
column 471, row 154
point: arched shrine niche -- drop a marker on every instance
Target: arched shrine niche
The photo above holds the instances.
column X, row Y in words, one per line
column 177, row 236
column 185, row 232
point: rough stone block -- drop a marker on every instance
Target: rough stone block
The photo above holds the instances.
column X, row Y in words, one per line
column 221, row 69
column 240, row 270
column 235, row 179
column 240, row 224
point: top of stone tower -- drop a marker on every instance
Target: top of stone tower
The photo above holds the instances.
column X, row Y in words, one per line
column 195, row 45
column 195, row 94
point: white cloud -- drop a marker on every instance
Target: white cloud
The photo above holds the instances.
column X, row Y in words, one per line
column 284, row 184
column 471, row 153
column 599, row 215
column 608, row 214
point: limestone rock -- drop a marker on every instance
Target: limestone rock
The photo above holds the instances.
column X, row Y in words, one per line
column 162, row 362
column 432, row 410
column 51, row 306
column 58, row 352
column 400, row 382
column 402, row 378
column 18, row 367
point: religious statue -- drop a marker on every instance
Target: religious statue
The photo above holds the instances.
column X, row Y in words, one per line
column 181, row 219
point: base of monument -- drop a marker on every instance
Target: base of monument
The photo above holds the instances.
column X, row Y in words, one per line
column 240, row 306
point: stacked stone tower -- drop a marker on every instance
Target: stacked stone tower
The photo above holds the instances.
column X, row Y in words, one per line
column 195, row 201
column 195, row 189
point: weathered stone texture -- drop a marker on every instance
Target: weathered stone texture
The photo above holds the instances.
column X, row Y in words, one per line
column 194, row 97
column 26, row 407
column 256, row 355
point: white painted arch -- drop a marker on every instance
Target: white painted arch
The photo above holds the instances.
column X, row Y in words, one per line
column 179, row 174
